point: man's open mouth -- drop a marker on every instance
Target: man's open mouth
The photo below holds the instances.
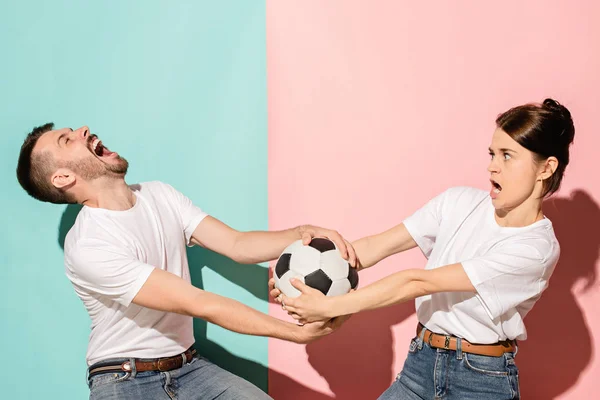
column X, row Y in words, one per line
column 99, row 149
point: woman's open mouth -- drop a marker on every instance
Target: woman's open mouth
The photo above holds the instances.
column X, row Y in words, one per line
column 496, row 186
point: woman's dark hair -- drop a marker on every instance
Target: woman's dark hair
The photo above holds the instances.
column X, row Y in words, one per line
column 546, row 130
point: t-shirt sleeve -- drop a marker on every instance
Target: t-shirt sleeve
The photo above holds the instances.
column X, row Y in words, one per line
column 190, row 214
column 511, row 274
column 424, row 224
column 105, row 269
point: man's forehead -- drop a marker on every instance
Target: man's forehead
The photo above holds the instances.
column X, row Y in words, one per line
column 49, row 138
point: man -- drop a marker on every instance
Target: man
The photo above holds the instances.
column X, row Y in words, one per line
column 126, row 258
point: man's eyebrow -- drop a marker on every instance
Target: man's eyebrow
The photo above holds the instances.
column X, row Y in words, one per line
column 60, row 137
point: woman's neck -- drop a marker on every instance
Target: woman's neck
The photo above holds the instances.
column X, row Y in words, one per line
column 525, row 214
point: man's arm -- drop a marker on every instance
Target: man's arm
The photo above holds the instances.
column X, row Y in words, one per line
column 164, row 291
column 259, row 246
column 372, row 249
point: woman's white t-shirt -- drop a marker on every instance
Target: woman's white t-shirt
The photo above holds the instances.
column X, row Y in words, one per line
column 509, row 267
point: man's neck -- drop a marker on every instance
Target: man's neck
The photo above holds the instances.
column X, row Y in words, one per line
column 111, row 194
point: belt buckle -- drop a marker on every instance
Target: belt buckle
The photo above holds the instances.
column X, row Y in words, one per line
column 447, row 343
column 126, row 366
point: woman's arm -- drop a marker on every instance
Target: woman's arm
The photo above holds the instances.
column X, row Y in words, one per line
column 372, row 249
column 402, row 286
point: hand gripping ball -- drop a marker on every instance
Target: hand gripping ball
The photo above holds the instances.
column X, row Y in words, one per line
column 318, row 264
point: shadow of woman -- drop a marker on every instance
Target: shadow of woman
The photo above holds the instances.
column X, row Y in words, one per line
column 357, row 361
column 560, row 345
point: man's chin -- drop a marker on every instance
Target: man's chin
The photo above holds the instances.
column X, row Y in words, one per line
column 119, row 168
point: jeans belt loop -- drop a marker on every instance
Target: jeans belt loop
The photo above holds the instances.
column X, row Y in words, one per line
column 421, row 337
column 459, row 354
column 129, row 366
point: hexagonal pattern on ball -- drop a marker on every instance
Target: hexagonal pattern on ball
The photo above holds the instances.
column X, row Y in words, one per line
column 322, row 244
column 334, row 265
column 339, row 287
column 353, row 277
column 304, row 260
column 318, row 280
column 283, row 265
column 285, row 285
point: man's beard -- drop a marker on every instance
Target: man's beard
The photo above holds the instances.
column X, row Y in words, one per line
column 89, row 169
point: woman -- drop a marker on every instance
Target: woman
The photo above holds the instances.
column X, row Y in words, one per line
column 490, row 256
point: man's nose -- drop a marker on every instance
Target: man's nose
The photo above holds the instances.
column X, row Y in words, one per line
column 82, row 133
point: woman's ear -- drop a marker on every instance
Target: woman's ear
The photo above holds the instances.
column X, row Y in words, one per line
column 548, row 168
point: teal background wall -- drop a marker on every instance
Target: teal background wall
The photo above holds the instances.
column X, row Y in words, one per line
column 179, row 89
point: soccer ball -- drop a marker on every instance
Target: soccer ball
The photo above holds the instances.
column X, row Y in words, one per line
column 318, row 264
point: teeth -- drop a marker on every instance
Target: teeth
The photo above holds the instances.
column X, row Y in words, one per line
column 496, row 191
column 95, row 143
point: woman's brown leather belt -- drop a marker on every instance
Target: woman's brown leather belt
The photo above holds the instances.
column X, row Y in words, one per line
column 449, row 343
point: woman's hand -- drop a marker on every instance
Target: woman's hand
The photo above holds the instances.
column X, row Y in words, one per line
column 310, row 306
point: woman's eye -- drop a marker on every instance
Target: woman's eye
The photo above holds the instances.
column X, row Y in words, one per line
column 506, row 156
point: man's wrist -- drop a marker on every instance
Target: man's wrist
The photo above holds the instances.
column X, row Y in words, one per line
column 300, row 230
column 295, row 334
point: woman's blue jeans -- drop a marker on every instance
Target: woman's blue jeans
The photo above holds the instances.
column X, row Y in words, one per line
column 431, row 373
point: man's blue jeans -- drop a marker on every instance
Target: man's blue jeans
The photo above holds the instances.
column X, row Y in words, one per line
column 199, row 379
column 431, row 373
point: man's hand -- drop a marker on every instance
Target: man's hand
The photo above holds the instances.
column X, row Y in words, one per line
column 316, row 330
column 308, row 232
column 273, row 291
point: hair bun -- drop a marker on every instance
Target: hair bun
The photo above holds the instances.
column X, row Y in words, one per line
column 562, row 114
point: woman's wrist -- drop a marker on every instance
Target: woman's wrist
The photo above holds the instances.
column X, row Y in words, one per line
column 339, row 305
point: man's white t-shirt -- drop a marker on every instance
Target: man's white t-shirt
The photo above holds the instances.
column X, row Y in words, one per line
column 108, row 257
column 509, row 267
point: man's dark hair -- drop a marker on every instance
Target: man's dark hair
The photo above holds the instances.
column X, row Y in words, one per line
column 34, row 169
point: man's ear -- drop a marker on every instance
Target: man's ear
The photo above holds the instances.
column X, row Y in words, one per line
column 62, row 178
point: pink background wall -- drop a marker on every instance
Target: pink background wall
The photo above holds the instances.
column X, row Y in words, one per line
column 375, row 107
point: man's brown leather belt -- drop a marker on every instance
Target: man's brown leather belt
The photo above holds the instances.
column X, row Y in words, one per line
column 449, row 343
column 144, row 364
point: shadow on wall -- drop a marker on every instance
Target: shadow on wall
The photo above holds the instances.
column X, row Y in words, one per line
column 254, row 279
column 357, row 361
column 560, row 345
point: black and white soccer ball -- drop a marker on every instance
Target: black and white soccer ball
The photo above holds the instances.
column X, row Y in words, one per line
column 318, row 264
